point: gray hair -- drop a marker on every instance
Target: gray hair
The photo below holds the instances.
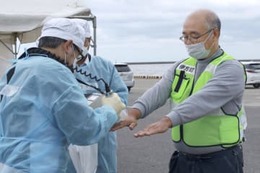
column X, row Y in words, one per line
column 50, row 42
column 213, row 21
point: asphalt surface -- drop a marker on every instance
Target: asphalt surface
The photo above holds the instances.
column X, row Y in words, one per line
column 152, row 154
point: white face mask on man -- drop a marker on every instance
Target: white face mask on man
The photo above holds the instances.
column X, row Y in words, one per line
column 198, row 50
column 85, row 51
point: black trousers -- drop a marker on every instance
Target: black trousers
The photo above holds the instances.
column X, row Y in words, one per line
column 225, row 161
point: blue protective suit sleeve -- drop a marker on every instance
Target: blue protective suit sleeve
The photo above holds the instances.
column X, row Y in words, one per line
column 80, row 123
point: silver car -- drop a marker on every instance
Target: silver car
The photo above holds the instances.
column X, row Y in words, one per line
column 253, row 73
column 126, row 74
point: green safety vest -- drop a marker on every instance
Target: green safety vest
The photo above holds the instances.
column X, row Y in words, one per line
column 213, row 129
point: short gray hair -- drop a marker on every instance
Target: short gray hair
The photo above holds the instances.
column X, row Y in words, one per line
column 213, row 21
column 50, row 42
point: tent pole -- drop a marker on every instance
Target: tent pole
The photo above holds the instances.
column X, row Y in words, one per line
column 15, row 45
column 95, row 34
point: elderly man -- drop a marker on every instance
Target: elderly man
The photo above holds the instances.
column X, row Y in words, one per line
column 206, row 91
column 42, row 107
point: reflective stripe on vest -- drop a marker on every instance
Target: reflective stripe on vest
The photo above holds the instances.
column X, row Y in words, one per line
column 216, row 128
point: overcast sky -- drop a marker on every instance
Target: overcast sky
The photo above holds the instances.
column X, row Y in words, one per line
column 148, row 30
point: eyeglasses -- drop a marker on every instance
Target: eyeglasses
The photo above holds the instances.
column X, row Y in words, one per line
column 192, row 38
column 79, row 51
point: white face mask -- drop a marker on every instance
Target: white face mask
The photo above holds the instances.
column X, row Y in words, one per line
column 198, row 50
column 85, row 51
column 75, row 63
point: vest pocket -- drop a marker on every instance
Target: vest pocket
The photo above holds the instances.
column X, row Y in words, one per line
column 179, row 87
column 176, row 134
column 212, row 131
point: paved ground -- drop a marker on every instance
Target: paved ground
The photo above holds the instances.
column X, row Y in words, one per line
column 152, row 154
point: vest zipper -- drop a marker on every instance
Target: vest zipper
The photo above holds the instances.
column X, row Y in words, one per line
column 181, row 126
column 181, row 77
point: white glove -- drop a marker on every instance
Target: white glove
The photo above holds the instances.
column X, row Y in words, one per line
column 94, row 100
column 114, row 101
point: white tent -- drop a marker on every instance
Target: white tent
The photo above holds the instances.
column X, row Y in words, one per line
column 21, row 22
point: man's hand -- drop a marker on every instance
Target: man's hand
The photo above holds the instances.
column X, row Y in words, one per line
column 160, row 126
column 129, row 120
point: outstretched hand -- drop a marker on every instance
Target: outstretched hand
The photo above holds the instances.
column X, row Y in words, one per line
column 160, row 126
column 129, row 121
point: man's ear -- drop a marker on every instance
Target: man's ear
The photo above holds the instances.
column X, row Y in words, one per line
column 68, row 46
column 216, row 32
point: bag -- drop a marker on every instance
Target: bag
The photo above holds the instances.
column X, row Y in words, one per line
column 84, row 158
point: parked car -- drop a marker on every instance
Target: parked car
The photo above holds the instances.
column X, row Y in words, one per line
column 126, row 74
column 253, row 73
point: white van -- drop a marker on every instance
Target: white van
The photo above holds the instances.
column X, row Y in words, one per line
column 253, row 73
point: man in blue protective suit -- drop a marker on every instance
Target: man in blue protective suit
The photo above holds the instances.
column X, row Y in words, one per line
column 97, row 75
column 42, row 107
